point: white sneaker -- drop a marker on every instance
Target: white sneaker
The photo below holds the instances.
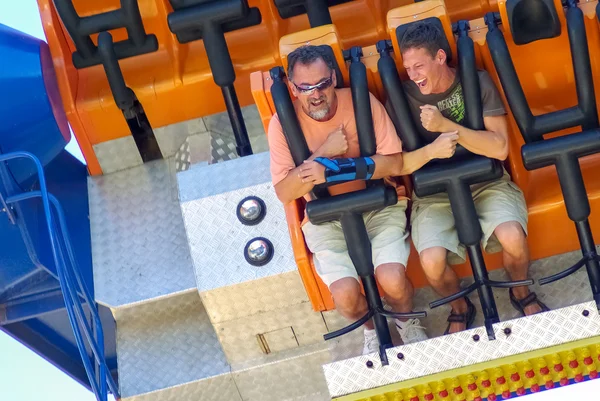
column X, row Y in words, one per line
column 411, row 331
column 371, row 342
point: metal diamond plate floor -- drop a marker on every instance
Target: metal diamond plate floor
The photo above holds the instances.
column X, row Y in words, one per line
column 458, row 350
column 222, row 141
column 216, row 237
column 569, row 291
column 139, row 246
column 166, row 343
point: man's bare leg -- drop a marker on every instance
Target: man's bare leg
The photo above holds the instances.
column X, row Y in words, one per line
column 444, row 280
column 516, row 259
column 349, row 301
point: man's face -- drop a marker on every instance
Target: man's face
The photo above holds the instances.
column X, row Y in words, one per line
column 314, row 86
column 423, row 69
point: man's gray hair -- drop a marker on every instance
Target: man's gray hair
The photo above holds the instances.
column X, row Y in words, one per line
column 306, row 55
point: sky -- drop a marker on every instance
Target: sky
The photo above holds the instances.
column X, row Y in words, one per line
column 25, row 376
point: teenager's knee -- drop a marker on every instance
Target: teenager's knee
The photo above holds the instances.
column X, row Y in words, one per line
column 512, row 238
column 433, row 261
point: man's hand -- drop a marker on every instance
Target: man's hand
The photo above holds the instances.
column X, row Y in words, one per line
column 336, row 144
column 312, row 172
column 444, row 146
column 433, row 120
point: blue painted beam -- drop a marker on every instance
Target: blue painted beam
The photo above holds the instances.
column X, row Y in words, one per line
column 32, row 306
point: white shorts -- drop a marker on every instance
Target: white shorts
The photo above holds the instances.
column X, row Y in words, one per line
column 386, row 229
column 496, row 202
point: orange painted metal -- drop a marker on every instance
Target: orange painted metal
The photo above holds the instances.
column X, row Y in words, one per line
column 545, row 71
column 175, row 84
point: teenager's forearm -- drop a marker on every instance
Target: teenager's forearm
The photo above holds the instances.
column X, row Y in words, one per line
column 485, row 143
column 415, row 160
column 388, row 166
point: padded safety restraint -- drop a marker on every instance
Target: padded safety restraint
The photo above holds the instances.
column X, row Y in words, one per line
column 532, row 20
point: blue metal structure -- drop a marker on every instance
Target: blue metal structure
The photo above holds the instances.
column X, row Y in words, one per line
column 46, row 280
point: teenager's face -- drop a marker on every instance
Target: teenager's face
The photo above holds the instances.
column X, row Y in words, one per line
column 423, row 69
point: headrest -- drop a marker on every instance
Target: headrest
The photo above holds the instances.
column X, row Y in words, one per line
column 325, row 37
column 399, row 19
column 401, row 30
column 532, row 20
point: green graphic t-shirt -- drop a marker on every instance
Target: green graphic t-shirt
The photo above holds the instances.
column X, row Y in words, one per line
column 451, row 102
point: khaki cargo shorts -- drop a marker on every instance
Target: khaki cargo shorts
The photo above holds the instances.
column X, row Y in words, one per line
column 389, row 241
column 496, row 202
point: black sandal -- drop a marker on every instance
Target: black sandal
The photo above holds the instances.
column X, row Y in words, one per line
column 468, row 317
column 520, row 304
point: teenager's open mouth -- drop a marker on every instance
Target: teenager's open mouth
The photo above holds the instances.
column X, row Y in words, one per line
column 421, row 83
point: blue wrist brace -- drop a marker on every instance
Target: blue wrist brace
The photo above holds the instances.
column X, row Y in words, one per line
column 357, row 168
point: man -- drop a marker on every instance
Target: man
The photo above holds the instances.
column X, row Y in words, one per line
column 326, row 116
column 435, row 95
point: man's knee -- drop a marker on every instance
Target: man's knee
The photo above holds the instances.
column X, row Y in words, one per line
column 512, row 238
column 392, row 278
column 433, row 261
column 346, row 293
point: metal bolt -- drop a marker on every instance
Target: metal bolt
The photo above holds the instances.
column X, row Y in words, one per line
column 369, row 364
column 585, row 313
column 400, row 355
column 476, row 337
column 507, row 331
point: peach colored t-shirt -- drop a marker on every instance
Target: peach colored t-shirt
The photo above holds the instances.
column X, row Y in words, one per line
column 316, row 132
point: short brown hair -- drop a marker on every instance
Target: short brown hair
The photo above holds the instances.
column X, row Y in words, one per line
column 422, row 35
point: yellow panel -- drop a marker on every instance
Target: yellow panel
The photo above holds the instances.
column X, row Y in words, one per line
column 496, row 380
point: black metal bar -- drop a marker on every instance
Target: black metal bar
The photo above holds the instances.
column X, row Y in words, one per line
column 580, row 55
column 126, row 101
column 508, row 284
column 318, row 13
column 101, row 22
column 486, row 295
column 454, row 297
column 209, row 18
column 350, row 327
column 409, row 315
column 80, row 28
column 564, row 273
column 375, row 304
column 124, row 96
column 401, row 116
column 588, row 248
column 468, row 70
column 242, row 142
column 69, row 17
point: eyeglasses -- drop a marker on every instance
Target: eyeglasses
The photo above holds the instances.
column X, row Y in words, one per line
column 310, row 89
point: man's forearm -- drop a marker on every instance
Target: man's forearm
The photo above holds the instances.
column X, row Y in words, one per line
column 485, row 143
column 292, row 187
